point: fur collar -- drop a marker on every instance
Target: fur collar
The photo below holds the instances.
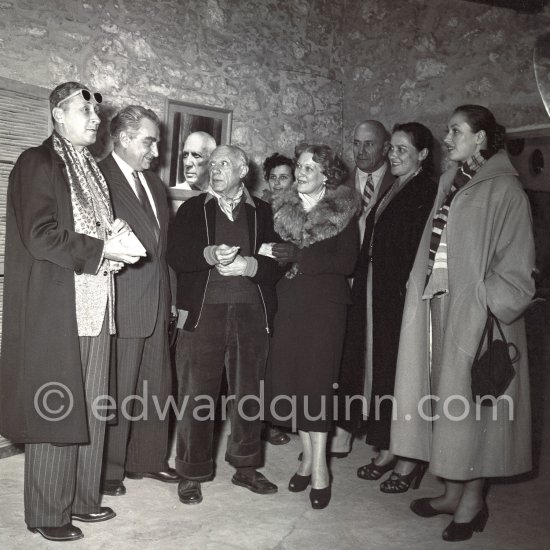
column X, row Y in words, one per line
column 326, row 219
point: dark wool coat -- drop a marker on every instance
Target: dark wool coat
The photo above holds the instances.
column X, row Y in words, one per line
column 309, row 326
column 491, row 257
column 395, row 238
column 40, row 339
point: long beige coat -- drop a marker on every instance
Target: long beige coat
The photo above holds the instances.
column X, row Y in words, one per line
column 490, row 262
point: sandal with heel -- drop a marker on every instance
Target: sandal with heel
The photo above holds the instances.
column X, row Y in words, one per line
column 400, row 483
column 373, row 471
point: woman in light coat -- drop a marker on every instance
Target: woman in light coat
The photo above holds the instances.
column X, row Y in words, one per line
column 484, row 260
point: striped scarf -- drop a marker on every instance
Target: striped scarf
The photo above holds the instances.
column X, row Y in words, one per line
column 463, row 175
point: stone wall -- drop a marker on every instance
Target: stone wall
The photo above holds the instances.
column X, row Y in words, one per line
column 269, row 61
column 291, row 70
column 419, row 59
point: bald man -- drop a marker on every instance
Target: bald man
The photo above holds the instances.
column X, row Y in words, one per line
column 373, row 177
column 197, row 149
column 226, row 295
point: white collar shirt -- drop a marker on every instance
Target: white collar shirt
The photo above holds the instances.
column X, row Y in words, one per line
column 127, row 170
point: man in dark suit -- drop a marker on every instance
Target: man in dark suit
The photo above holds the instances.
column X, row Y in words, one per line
column 62, row 248
column 373, row 177
column 137, row 445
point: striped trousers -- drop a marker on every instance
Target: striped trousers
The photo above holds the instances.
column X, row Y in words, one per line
column 64, row 480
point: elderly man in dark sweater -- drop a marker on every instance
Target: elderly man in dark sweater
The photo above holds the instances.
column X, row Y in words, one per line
column 226, row 300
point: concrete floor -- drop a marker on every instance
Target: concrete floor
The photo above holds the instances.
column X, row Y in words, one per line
column 358, row 517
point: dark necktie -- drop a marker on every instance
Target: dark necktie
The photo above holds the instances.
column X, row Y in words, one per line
column 146, row 204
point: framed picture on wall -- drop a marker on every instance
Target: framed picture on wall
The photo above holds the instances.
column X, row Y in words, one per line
column 181, row 120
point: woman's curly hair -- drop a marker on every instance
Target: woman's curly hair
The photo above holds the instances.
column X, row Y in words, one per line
column 331, row 164
column 276, row 159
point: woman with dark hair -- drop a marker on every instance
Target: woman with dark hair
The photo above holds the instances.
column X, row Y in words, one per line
column 392, row 233
column 316, row 218
column 476, row 256
column 278, row 173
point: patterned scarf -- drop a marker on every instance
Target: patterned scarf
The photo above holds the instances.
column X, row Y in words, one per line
column 228, row 206
column 90, row 203
column 463, row 175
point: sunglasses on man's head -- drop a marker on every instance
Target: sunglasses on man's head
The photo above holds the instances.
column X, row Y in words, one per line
column 86, row 94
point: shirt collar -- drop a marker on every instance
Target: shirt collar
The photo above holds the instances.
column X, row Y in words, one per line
column 126, row 169
column 377, row 175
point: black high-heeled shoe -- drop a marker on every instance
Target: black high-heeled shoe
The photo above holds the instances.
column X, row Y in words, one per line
column 422, row 507
column 320, row 498
column 455, row 532
column 400, row 483
column 298, row 483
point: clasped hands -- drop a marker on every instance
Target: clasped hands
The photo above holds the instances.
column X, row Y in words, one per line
column 230, row 262
column 116, row 246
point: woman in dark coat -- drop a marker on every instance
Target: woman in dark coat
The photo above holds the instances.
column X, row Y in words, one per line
column 278, row 174
column 392, row 233
column 315, row 216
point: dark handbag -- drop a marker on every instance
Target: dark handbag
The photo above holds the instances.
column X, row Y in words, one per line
column 493, row 370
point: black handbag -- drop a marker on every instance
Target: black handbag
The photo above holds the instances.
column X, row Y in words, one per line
column 493, row 370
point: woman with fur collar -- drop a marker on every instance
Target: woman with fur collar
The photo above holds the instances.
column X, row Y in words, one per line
column 316, row 218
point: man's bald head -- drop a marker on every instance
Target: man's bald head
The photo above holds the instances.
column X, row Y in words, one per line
column 370, row 145
column 196, row 153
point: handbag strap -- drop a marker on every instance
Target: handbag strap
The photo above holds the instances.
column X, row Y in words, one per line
column 508, row 345
column 487, row 330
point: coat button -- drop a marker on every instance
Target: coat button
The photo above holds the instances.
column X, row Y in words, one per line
column 78, row 271
column 105, row 272
column 97, row 224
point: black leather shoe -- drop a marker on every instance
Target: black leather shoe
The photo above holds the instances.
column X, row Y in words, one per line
column 112, row 487
column 167, row 476
column 422, row 507
column 463, row 531
column 189, row 491
column 104, row 514
column 320, row 498
column 257, row 484
column 276, row 437
column 298, row 483
column 65, row 532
